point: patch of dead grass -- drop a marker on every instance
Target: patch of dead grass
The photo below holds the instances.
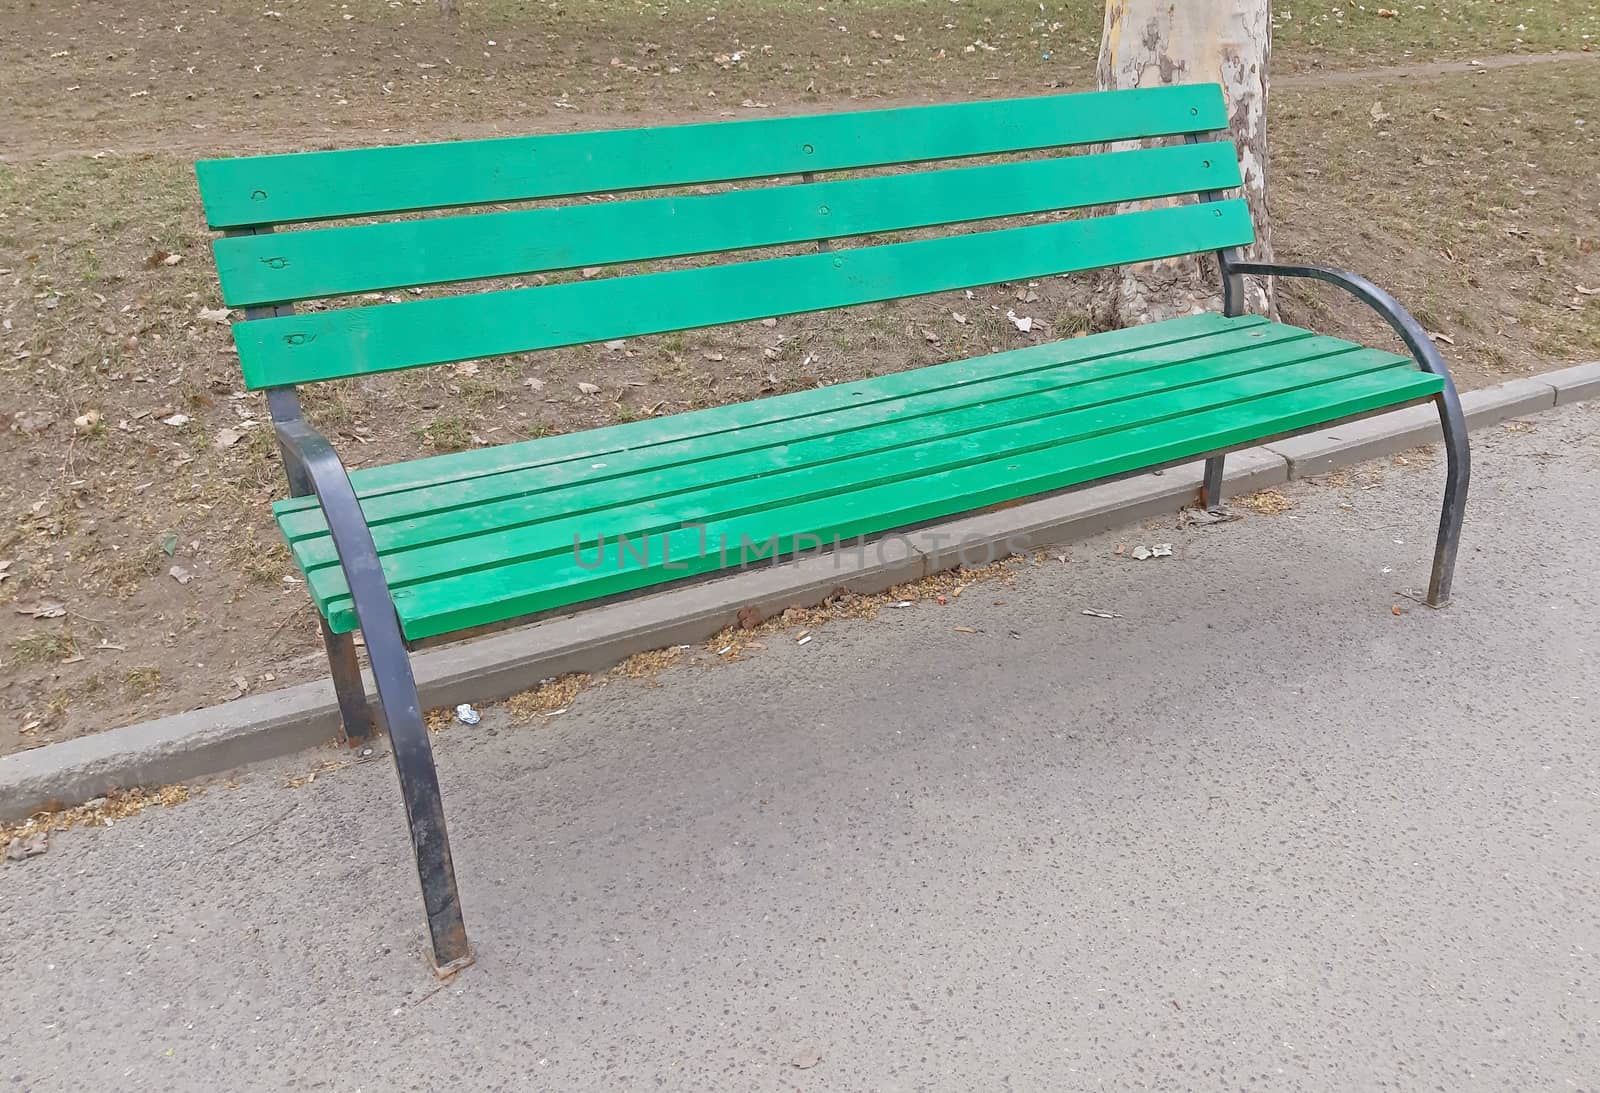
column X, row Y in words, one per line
column 1265, row 502
column 649, row 664
column 547, row 698
column 102, row 812
column 733, row 642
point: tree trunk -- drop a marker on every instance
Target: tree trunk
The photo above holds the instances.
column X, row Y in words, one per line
column 1151, row 42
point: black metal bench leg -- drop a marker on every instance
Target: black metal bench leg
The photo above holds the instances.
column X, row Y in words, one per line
column 400, row 713
column 312, row 464
column 345, row 668
column 1457, row 472
column 1211, row 487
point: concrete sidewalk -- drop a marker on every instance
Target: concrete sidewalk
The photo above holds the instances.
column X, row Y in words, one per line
column 1259, row 831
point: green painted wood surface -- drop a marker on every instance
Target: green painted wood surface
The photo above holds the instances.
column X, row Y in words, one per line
column 276, row 268
column 505, row 592
column 281, row 189
column 854, row 425
column 580, row 507
column 949, row 443
column 365, row 340
column 458, row 467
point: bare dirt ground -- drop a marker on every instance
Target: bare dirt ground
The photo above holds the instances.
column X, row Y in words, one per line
column 139, row 570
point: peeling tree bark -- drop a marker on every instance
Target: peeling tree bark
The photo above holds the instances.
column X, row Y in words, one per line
column 1151, row 42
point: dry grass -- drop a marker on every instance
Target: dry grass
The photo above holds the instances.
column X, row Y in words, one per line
column 551, row 696
column 96, row 74
column 1264, row 502
column 733, row 642
column 103, row 812
column 649, row 664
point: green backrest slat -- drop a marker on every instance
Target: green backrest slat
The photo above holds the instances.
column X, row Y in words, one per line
column 278, row 268
column 280, row 189
column 358, row 341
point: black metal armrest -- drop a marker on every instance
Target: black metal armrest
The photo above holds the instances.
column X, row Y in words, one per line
column 1411, row 332
column 1452, row 420
column 313, row 462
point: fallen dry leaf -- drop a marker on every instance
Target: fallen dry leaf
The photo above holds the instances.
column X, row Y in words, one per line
column 43, row 609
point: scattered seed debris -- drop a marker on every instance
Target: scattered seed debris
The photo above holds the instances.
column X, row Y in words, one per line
column 649, row 664
column 1265, row 502
column 551, row 696
column 100, row 812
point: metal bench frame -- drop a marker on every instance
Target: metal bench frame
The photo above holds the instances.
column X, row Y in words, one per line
column 313, row 467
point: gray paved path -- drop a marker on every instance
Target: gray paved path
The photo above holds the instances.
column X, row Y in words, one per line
column 1260, row 832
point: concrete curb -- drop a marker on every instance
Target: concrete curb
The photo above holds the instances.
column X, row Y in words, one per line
column 277, row 723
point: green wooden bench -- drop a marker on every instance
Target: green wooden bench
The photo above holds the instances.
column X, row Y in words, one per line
column 442, row 544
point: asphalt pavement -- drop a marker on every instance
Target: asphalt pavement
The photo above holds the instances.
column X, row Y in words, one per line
column 1273, row 826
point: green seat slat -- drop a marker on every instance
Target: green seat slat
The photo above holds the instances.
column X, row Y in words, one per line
column 456, row 467
column 257, row 270
column 787, row 473
column 461, row 479
column 494, row 595
column 363, row 340
column 280, row 189
column 928, row 448
column 472, row 506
